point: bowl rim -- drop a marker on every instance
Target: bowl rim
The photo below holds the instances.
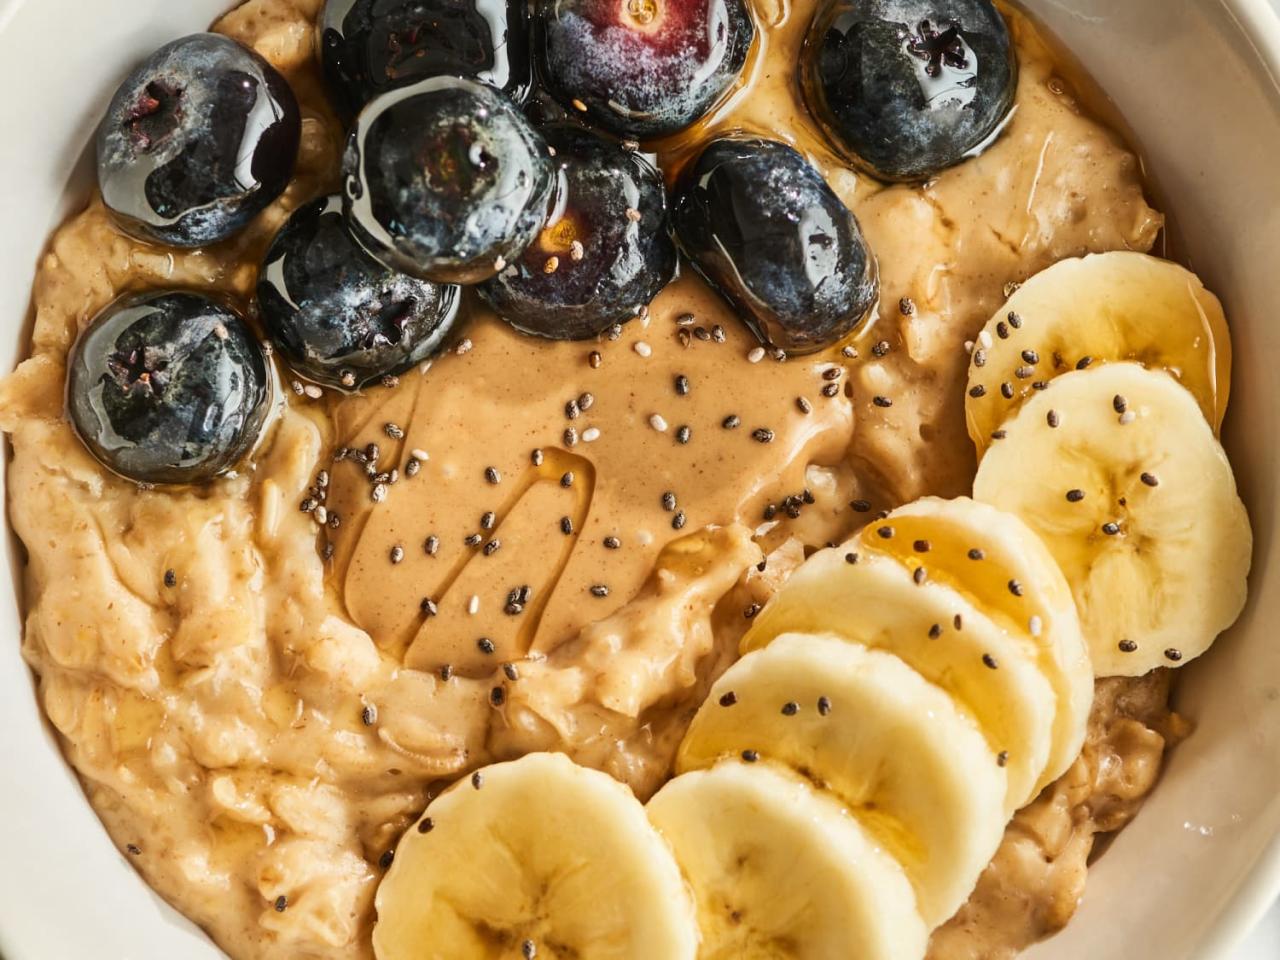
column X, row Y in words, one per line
column 1259, row 891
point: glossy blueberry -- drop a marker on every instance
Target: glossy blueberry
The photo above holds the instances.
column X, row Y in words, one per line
column 368, row 47
column 336, row 314
column 196, row 142
column 446, row 180
column 167, row 387
column 642, row 68
column 766, row 231
column 605, row 251
column 907, row 88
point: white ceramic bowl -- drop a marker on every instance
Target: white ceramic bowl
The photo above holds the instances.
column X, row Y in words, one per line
column 1196, row 78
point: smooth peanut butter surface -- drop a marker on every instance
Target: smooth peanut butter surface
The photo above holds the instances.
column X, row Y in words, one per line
column 258, row 703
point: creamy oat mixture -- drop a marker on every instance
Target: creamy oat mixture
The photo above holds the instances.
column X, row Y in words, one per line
column 256, row 724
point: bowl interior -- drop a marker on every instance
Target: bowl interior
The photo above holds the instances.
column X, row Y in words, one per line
column 1191, row 76
column 1196, row 81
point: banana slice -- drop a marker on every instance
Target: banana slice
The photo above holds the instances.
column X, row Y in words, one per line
column 1100, row 309
column 876, row 602
column 1005, row 570
column 537, row 857
column 780, row 870
column 1136, row 501
column 912, row 768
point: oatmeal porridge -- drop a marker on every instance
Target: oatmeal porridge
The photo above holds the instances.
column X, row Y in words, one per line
column 527, row 545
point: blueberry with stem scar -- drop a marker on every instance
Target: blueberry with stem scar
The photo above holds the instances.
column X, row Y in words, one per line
column 446, row 180
column 337, row 315
column 642, row 68
column 907, row 88
column 167, row 388
column 197, row 141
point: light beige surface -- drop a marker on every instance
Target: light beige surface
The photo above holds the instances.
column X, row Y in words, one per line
column 218, row 725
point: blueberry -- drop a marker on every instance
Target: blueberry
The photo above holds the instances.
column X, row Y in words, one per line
column 339, row 316
column 446, row 180
column 906, row 88
column 196, row 142
column 605, row 251
column 167, row 387
column 643, row 68
column 766, row 231
column 368, row 47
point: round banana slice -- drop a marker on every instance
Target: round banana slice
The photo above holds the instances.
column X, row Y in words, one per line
column 1103, row 308
column 940, row 633
column 779, row 869
column 537, row 857
column 1122, row 478
column 995, row 560
column 912, row 768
